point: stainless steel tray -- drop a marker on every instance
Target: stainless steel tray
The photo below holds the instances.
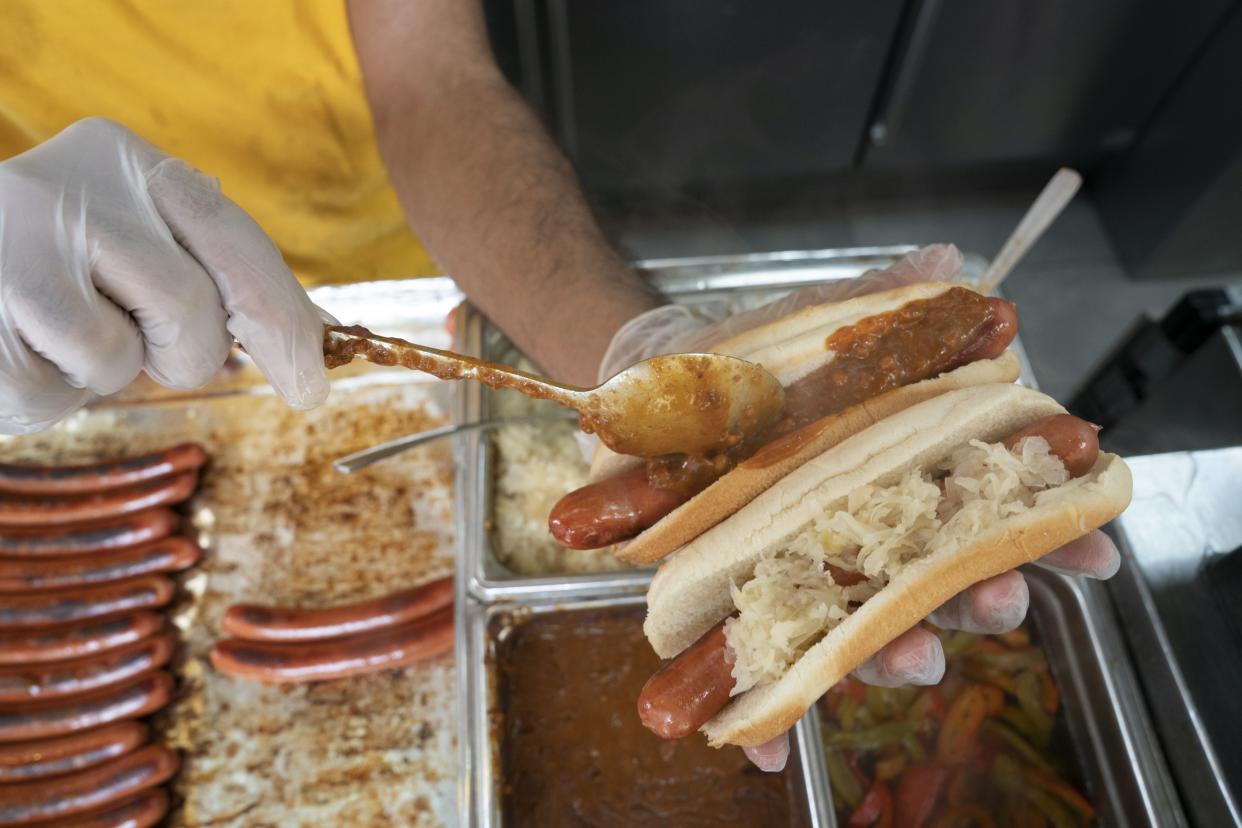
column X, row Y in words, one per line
column 1115, row 746
column 479, row 783
column 750, row 280
column 1184, row 518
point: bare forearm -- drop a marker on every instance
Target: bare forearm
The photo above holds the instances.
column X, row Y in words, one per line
column 499, row 208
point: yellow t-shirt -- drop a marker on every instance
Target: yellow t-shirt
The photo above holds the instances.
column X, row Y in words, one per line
column 265, row 95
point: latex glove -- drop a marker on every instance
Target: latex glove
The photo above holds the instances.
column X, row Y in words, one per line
column 993, row 606
column 115, row 258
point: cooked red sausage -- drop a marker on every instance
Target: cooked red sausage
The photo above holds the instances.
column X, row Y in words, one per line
column 98, row 536
column 59, row 511
column 695, row 685
column 33, row 646
column 60, row 679
column 1075, row 441
column 63, row 606
column 690, row 689
column 93, row 789
column 610, row 510
column 322, row 660
column 996, row 336
column 98, row 477
column 259, row 623
column 23, row 761
column 141, row 811
column 43, row 720
column 168, row 555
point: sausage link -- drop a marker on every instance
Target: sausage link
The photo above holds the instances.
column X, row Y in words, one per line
column 24, row 761
column 63, row 606
column 114, row 533
column 100, row 787
column 611, row 510
column 57, row 511
column 74, row 641
column 60, row 679
column 168, row 555
column 281, row 663
column 98, row 477
column 141, row 811
column 43, row 720
column 690, row 689
column 1075, row 441
column 259, row 623
column 694, row 686
column 997, row 335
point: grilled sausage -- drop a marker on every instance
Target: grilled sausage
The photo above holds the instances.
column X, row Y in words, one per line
column 63, row 606
column 44, row 720
column 60, row 679
column 98, row 477
column 611, row 510
column 50, row 510
column 281, row 663
column 1075, row 441
column 141, row 811
column 259, row 623
column 695, row 685
column 690, row 689
column 168, row 555
column 98, row 536
column 24, row 761
column 97, row 788
column 34, row 646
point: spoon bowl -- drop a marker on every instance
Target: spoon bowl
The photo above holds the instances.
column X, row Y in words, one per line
column 683, row 403
column 675, row 404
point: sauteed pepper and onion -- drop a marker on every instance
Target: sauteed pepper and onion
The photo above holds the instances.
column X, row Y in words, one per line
column 974, row 750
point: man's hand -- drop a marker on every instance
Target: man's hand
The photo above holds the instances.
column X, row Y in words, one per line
column 115, row 258
column 996, row 605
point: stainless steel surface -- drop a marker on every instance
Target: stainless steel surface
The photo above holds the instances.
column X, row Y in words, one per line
column 746, row 280
column 478, row 789
column 362, row 459
column 1185, row 514
column 1114, row 742
column 1117, row 747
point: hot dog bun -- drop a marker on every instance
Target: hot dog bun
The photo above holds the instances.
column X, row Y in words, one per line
column 791, row 348
column 691, row 591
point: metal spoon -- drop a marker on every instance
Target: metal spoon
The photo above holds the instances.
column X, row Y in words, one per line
column 682, row 403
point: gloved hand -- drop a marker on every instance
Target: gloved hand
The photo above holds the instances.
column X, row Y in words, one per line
column 993, row 606
column 115, row 258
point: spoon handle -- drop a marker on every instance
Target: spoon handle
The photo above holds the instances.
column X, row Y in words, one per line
column 341, row 344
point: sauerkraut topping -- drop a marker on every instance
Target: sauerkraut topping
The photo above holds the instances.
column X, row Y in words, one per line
column 791, row 602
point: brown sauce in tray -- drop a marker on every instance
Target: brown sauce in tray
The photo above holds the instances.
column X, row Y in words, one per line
column 574, row 753
column 917, row 341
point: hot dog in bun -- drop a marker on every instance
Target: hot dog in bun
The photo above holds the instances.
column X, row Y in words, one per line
column 844, row 365
column 766, row 610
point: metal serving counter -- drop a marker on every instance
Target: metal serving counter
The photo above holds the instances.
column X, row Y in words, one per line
column 1180, row 591
column 1109, row 725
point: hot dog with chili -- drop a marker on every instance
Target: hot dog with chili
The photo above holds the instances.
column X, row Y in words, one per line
column 843, row 365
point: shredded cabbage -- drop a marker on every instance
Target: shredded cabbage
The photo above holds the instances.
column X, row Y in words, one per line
column 791, row 601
